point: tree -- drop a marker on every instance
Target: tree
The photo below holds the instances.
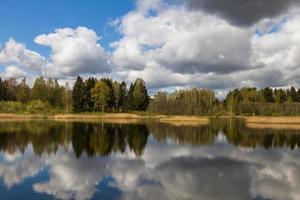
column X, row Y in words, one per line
column 89, row 85
column 10, row 90
column 129, row 104
column 111, row 100
column 23, row 91
column 39, row 90
column 67, row 98
column 78, row 95
column 293, row 94
column 101, row 95
column 119, row 93
column 140, row 95
column 268, row 95
column 55, row 93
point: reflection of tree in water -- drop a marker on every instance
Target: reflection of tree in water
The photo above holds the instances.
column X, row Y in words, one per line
column 102, row 139
column 44, row 137
column 239, row 135
column 193, row 135
column 91, row 138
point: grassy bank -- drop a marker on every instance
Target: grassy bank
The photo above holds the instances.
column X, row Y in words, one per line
column 273, row 120
column 273, row 126
column 134, row 117
column 108, row 117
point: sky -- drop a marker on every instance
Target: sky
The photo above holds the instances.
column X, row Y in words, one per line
column 214, row 44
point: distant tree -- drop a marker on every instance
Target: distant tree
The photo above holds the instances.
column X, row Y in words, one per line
column 67, row 98
column 233, row 99
column 39, row 90
column 78, row 95
column 140, row 95
column 23, row 91
column 122, row 97
column 111, row 100
column 2, row 92
column 280, row 96
column 119, row 93
column 298, row 95
column 55, row 93
column 293, row 94
column 129, row 103
column 89, row 85
column 101, row 95
column 268, row 95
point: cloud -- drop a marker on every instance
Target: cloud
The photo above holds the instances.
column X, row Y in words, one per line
column 280, row 50
column 14, row 53
column 182, row 41
column 74, row 51
column 12, row 71
column 245, row 12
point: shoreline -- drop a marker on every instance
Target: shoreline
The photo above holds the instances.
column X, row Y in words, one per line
column 179, row 119
column 109, row 117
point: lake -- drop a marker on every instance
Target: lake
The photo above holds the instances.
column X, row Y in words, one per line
column 224, row 160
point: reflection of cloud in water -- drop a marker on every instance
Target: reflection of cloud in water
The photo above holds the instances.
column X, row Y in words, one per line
column 167, row 171
column 73, row 179
column 15, row 173
column 197, row 178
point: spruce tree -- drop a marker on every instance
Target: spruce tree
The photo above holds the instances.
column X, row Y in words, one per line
column 129, row 104
column 78, row 95
column 89, row 85
column 140, row 95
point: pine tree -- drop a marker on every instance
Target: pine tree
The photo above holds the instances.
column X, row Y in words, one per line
column 122, row 92
column 140, row 95
column 78, row 95
column 129, row 104
column 89, row 85
column 268, row 95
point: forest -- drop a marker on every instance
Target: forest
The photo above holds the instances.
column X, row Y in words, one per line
column 107, row 95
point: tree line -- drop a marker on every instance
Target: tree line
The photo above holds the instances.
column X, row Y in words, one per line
column 244, row 101
column 104, row 95
column 266, row 101
column 44, row 94
column 107, row 95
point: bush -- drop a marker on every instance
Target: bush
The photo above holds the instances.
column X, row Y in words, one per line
column 38, row 106
column 11, row 107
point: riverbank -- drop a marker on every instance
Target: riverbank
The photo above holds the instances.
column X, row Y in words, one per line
column 135, row 117
column 273, row 120
column 110, row 117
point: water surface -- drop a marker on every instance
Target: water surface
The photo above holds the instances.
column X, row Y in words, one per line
column 80, row 160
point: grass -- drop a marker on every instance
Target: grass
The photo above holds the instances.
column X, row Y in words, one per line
column 273, row 120
column 112, row 117
column 273, row 126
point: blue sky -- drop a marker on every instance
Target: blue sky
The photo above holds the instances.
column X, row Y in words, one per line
column 24, row 20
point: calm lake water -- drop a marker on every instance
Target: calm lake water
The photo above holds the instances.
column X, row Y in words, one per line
column 224, row 160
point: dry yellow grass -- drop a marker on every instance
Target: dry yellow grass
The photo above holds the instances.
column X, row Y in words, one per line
column 273, row 126
column 113, row 121
column 98, row 116
column 113, row 117
column 273, row 120
column 185, row 119
column 182, row 123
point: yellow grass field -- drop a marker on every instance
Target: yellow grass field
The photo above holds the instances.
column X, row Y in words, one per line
column 273, row 120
